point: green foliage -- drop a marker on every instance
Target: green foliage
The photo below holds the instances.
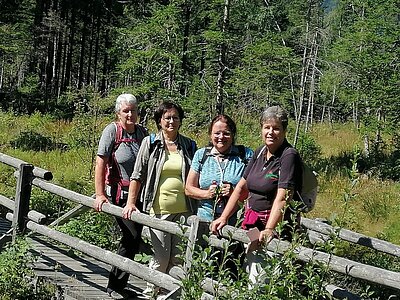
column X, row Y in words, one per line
column 347, row 217
column 308, row 148
column 260, row 78
column 363, row 58
column 384, row 159
column 371, row 257
column 95, row 228
column 282, row 276
column 72, row 170
column 34, row 141
column 49, row 204
column 17, row 280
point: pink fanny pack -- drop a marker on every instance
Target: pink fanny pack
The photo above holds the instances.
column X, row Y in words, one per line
column 252, row 218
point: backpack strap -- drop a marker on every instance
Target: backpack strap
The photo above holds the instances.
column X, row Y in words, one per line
column 141, row 132
column 193, row 147
column 154, row 146
column 118, row 136
column 241, row 149
column 242, row 154
column 114, row 175
column 206, row 154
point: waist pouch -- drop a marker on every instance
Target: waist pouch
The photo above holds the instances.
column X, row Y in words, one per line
column 254, row 218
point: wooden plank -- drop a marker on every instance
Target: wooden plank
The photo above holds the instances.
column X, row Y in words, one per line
column 5, row 232
column 156, row 277
column 5, row 226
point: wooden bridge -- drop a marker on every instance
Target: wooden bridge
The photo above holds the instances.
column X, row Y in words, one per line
column 84, row 276
column 75, row 276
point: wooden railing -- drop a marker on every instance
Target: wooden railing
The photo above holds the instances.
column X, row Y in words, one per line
column 22, row 219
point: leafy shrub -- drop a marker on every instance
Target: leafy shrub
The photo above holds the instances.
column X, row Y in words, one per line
column 17, row 279
column 30, row 140
column 48, row 204
column 371, row 257
column 33, row 141
column 309, row 150
column 286, row 277
column 95, row 228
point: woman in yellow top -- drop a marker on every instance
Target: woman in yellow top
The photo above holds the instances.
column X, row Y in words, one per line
column 161, row 168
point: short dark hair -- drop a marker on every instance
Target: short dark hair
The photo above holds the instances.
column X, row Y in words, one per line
column 225, row 119
column 162, row 108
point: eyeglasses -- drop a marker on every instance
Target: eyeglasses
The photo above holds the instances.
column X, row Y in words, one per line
column 224, row 133
column 169, row 119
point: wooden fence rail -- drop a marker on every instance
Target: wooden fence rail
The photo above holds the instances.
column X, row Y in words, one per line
column 23, row 218
column 139, row 270
column 338, row 264
column 352, row 237
column 16, row 163
column 335, row 263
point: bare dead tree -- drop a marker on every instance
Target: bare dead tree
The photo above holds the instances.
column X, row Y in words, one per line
column 222, row 62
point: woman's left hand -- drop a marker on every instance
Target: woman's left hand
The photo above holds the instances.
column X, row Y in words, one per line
column 266, row 236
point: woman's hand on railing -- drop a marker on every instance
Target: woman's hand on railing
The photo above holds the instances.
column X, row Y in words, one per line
column 99, row 201
column 128, row 210
column 267, row 235
column 217, row 225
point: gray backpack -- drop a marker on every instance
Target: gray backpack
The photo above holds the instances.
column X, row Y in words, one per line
column 309, row 188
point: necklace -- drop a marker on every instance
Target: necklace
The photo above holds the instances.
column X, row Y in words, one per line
column 170, row 142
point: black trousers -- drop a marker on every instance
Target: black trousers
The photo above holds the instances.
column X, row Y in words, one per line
column 128, row 247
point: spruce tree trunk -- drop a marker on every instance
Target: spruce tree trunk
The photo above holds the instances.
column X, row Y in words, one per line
column 82, row 50
column 96, row 52
column 304, row 74
column 107, row 45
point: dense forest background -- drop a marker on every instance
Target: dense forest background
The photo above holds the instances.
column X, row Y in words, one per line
column 332, row 60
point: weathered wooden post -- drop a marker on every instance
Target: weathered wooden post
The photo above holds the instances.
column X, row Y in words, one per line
column 194, row 228
column 22, row 197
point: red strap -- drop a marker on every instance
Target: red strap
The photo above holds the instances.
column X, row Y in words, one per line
column 114, row 175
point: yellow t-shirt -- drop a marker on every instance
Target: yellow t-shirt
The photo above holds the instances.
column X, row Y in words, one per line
column 170, row 196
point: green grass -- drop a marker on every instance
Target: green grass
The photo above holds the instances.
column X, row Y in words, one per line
column 370, row 206
column 373, row 210
column 337, row 138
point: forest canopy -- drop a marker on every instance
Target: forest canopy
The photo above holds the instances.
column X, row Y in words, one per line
column 322, row 60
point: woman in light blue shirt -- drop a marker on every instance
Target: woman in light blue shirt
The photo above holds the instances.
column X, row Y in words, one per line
column 216, row 169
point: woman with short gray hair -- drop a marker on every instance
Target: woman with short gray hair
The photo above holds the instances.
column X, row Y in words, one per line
column 128, row 99
column 116, row 155
column 271, row 179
